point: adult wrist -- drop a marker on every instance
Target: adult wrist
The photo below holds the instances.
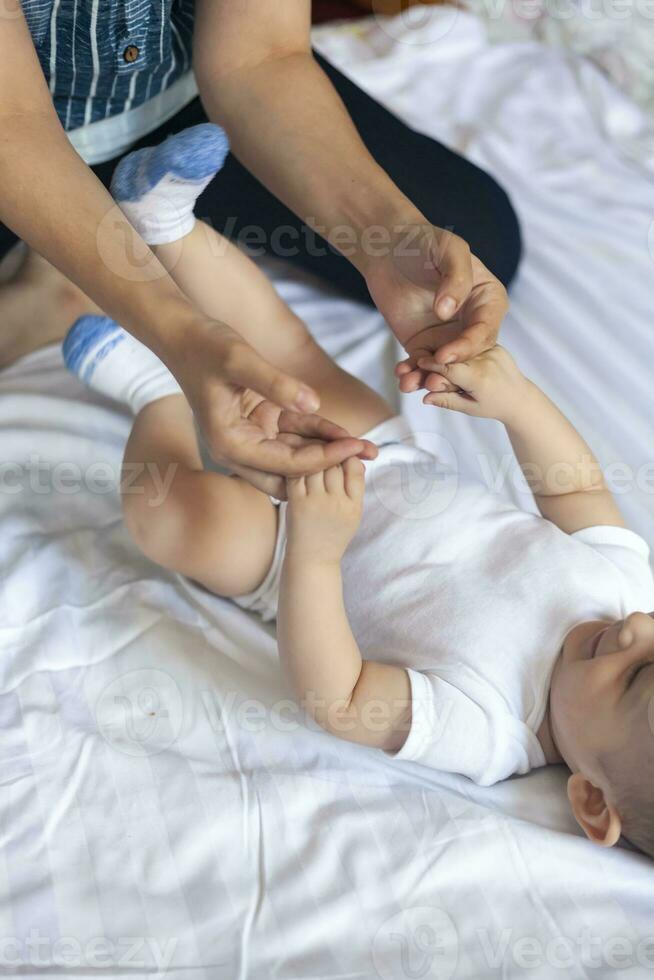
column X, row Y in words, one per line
column 377, row 220
column 182, row 330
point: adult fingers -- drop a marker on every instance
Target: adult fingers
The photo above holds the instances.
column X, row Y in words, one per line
column 288, row 459
column 311, row 426
column 314, row 427
column 368, row 451
column 449, row 377
column 451, row 256
column 453, row 401
column 269, row 483
column 481, row 327
column 244, row 367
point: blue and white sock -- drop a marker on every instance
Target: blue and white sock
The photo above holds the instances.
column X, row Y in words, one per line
column 112, row 362
column 156, row 188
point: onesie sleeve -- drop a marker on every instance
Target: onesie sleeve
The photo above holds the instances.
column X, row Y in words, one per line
column 629, row 554
column 452, row 732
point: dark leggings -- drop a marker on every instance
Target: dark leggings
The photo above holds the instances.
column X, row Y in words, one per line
column 452, row 192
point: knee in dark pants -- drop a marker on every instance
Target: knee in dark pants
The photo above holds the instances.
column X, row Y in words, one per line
column 450, row 191
column 503, row 241
column 454, row 193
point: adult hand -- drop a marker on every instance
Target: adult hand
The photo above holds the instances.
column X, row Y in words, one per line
column 440, row 301
column 255, row 419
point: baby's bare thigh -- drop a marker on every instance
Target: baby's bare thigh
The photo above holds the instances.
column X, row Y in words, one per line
column 235, row 537
column 217, row 530
column 344, row 399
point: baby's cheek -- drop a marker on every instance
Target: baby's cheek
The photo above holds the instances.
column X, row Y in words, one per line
column 607, row 734
column 571, row 703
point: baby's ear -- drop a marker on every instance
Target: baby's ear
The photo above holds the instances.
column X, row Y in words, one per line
column 598, row 818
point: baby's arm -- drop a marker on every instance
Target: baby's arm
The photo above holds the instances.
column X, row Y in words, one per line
column 559, row 466
column 356, row 699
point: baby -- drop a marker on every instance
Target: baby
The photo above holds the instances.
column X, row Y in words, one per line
column 427, row 617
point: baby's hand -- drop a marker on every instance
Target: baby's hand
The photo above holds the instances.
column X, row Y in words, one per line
column 489, row 386
column 324, row 511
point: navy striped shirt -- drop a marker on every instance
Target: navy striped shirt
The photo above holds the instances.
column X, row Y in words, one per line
column 102, row 58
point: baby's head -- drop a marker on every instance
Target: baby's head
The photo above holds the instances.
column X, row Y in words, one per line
column 602, row 720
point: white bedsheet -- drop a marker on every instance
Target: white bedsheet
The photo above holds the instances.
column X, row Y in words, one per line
column 162, row 806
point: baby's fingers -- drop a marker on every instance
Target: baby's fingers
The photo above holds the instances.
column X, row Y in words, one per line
column 438, row 382
column 461, row 375
column 404, row 367
column 453, row 401
column 411, row 381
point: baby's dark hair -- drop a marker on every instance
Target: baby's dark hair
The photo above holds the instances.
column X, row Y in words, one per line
column 638, row 824
column 631, row 779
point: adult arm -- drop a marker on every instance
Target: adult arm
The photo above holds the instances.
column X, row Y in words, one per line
column 51, row 199
column 287, row 124
column 54, row 202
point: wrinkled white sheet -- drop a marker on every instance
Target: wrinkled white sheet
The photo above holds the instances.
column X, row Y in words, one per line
column 162, row 805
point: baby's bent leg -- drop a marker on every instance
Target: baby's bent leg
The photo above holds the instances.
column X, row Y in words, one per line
column 217, row 530
column 227, row 286
column 157, row 189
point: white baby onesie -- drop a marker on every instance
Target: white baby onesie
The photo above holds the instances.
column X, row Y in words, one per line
column 475, row 597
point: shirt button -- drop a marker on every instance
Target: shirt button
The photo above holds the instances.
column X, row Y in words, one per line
column 131, row 53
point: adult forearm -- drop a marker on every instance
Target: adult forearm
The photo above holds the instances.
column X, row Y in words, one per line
column 288, row 125
column 54, row 202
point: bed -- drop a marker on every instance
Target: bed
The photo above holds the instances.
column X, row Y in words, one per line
column 164, row 809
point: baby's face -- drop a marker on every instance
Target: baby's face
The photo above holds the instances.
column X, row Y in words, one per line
column 602, row 693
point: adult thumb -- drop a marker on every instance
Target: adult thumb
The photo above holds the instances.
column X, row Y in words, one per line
column 451, row 256
column 243, row 366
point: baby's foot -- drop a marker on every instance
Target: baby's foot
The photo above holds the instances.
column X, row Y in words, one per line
column 112, row 362
column 324, row 511
column 156, row 188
